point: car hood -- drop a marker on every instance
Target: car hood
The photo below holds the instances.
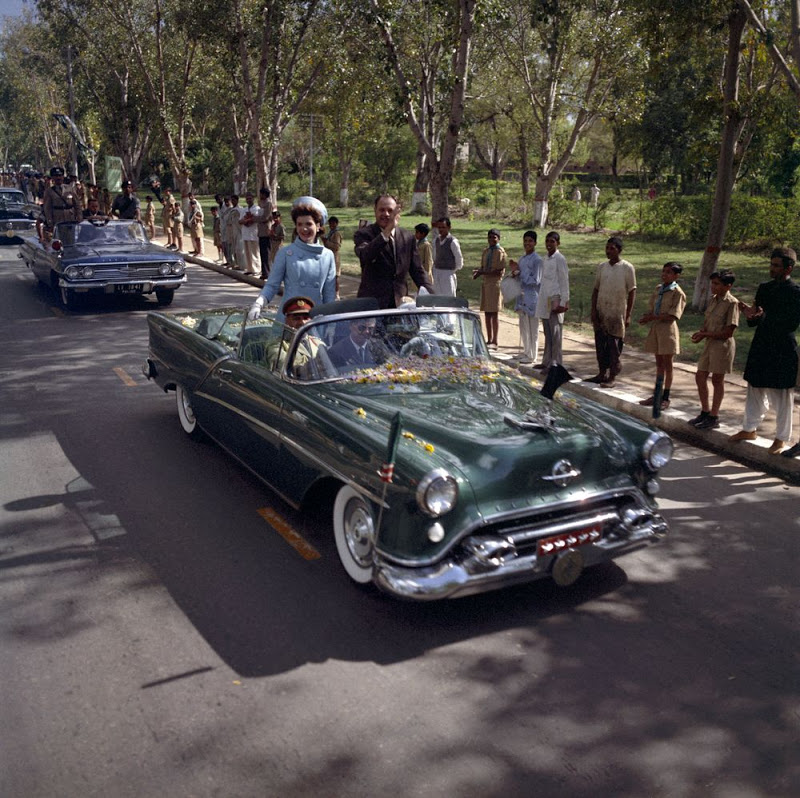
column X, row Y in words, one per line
column 501, row 435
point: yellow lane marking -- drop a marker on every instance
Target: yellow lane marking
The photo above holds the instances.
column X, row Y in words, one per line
column 125, row 377
column 293, row 538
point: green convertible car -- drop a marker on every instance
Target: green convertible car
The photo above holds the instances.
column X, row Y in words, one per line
column 451, row 474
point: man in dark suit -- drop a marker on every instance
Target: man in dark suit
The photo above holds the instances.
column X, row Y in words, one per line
column 388, row 255
column 355, row 350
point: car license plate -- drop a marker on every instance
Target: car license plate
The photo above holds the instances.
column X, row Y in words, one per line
column 570, row 540
column 130, row 288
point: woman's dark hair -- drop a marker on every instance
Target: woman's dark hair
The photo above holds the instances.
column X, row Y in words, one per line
column 306, row 210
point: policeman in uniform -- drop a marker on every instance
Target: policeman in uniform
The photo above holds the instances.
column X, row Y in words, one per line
column 59, row 203
column 310, row 359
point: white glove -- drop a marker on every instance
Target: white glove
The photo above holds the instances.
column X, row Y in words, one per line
column 255, row 310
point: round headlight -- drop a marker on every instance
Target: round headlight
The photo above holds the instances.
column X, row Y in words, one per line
column 437, row 493
column 164, row 269
column 71, row 272
column 178, row 267
column 657, row 451
column 87, row 272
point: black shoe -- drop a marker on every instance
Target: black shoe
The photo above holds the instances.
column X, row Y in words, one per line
column 598, row 378
column 704, row 414
column 709, row 422
column 792, row 451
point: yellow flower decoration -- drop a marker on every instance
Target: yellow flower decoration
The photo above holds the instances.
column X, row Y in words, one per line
column 360, row 412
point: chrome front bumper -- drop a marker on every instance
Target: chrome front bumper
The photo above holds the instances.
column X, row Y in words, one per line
column 488, row 562
column 110, row 287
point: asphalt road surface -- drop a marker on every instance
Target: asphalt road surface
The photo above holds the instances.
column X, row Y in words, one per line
column 169, row 628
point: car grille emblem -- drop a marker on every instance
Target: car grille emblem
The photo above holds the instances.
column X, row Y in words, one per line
column 562, row 473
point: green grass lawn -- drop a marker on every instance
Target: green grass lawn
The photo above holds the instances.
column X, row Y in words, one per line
column 583, row 251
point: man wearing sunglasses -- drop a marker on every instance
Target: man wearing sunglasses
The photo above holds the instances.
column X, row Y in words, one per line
column 356, row 349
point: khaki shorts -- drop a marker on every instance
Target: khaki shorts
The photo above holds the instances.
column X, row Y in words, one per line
column 717, row 357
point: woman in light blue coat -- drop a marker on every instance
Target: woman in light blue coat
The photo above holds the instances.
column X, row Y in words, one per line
column 305, row 268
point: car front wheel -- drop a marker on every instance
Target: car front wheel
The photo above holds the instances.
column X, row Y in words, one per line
column 354, row 530
column 186, row 413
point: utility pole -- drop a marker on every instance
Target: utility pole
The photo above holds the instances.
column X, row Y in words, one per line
column 71, row 98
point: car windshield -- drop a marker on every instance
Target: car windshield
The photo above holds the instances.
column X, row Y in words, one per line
column 12, row 198
column 115, row 233
column 407, row 346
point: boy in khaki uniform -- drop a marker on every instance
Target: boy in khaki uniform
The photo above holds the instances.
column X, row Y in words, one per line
column 721, row 321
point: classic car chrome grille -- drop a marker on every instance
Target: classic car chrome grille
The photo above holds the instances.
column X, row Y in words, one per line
column 604, row 514
column 132, row 271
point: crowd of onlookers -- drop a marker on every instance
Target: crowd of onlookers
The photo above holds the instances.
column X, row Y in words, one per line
column 249, row 236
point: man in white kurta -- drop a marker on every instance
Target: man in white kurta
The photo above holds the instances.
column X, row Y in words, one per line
column 553, row 299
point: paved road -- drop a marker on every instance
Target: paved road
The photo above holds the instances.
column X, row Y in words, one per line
column 159, row 637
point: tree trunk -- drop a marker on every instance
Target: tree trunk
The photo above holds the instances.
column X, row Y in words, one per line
column 442, row 163
column 524, row 165
column 419, row 198
column 345, row 166
column 544, row 185
column 726, row 171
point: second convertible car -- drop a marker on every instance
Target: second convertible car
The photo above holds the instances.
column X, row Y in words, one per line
column 99, row 256
column 448, row 474
column 17, row 217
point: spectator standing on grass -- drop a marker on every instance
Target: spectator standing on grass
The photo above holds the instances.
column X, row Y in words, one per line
column 264, row 225
column 217, row 232
column 447, row 259
column 196, row 219
column 277, row 235
column 166, row 220
column 234, row 233
column 177, row 227
column 248, row 224
column 612, row 303
column 594, row 195
column 721, row 321
column 666, row 307
column 553, row 299
column 491, row 271
column 771, row 369
column 528, row 270
column 424, row 249
column 150, row 217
